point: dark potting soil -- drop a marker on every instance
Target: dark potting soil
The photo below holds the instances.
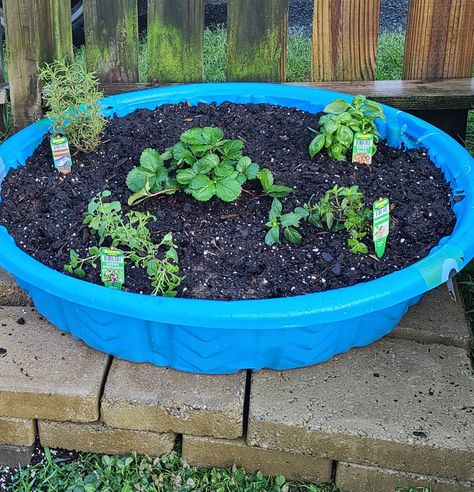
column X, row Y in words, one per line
column 222, row 252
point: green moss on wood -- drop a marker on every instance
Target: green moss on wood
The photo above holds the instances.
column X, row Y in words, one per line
column 257, row 40
column 260, row 61
column 60, row 13
column 176, row 41
column 111, row 30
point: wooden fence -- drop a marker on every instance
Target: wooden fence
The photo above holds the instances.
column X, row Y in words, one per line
column 439, row 47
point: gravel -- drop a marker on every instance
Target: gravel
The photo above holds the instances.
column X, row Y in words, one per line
column 392, row 18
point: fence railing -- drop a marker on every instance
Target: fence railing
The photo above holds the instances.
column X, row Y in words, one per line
column 439, row 41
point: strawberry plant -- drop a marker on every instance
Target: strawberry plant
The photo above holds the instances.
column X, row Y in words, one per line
column 151, row 177
column 203, row 164
column 342, row 122
column 132, row 234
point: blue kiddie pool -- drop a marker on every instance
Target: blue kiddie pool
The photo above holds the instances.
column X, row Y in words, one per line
column 227, row 336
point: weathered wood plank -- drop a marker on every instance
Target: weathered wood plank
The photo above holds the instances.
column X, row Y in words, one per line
column 60, row 12
column 2, row 77
column 21, row 35
column 345, row 34
column 257, row 40
column 404, row 94
column 54, row 26
column 111, row 33
column 175, row 40
column 439, row 40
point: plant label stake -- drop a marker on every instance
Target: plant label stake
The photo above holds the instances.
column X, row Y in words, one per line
column 61, row 154
column 112, row 268
column 381, row 226
column 363, row 148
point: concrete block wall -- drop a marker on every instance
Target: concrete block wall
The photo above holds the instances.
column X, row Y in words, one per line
column 398, row 413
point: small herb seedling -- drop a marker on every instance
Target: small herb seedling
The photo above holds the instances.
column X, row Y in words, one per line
column 265, row 176
column 132, row 234
column 289, row 222
column 340, row 209
column 342, row 122
column 73, row 99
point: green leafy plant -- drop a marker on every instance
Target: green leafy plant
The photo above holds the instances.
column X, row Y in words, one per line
column 342, row 122
column 265, row 176
column 204, row 164
column 341, row 209
column 151, row 177
column 289, row 222
column 133, row 235
column 72, row 96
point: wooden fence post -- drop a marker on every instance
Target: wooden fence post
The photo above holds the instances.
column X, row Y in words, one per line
column 21, row 35
column 345, row 34
column 257, row 40
column 175, row 40
column 439, row 45
column 61, row 33
column 2, row 77
column 54, row 30
column 439, row 42
column 111, row 33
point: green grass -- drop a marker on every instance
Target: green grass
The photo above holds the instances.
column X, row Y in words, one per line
column 101, row 473
column 390, row 56
column 91, row 473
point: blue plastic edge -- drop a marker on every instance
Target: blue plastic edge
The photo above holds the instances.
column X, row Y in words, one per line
column 452, row 253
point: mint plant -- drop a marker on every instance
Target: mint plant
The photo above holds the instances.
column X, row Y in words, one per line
column 342, row 122
column 204, row 164
column 289, row 222
column 133, row 235
column 341, row 209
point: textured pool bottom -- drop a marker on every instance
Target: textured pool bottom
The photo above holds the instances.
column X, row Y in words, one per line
column 226, row 336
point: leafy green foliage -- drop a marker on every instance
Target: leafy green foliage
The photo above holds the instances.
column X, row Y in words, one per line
column 289, row 222
column 342, row 122
column 341, row 209
column 265, row 176
column 72, row 96
column 151, row 177
column 203, row 164
column 132, row 234
column 102, row 473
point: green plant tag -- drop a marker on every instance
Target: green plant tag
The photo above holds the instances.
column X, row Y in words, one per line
column 381, row 227
column 61, row 154
column 112, row 268
column 363, row 148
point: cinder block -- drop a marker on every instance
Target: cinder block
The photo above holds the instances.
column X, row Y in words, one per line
column 360, row 478
column 224, row 453
column 10, row 292
column 396, row 404
column 159, row 399
column 17, row 432
column 15, row 456
column 98, row 438
column 44, row 373
column 436, row 319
